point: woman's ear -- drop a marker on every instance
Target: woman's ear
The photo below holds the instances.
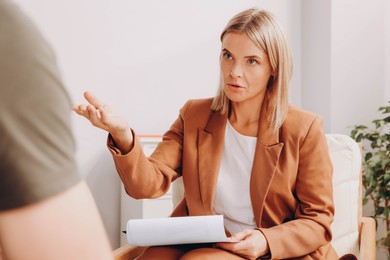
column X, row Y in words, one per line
column 270, row 82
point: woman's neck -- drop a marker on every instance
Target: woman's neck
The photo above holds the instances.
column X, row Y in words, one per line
column 244, row 117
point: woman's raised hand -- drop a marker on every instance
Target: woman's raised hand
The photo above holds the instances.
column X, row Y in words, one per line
column 102, row 116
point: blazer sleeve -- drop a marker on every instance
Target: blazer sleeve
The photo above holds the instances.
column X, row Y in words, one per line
column 151, row 177
column 310, row 228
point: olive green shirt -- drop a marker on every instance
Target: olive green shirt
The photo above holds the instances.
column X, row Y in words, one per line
column 36, row 143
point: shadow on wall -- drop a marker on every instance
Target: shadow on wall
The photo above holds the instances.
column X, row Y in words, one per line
column 104, row 183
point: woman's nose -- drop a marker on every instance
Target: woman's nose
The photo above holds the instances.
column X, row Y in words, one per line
column 236, row 71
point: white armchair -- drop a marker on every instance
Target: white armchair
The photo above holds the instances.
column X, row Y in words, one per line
column 352, row 233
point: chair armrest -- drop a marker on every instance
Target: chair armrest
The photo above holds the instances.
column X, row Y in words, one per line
column 368, row 239
column 128, row 252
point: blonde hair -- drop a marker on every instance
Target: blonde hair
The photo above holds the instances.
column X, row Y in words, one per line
column 265, row 31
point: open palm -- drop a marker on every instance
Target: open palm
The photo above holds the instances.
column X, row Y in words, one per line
column 101, row 115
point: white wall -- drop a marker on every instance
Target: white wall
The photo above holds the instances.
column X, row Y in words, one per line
column 343, row 50
column 316, row 58
column 145, row 58
column 358, row 49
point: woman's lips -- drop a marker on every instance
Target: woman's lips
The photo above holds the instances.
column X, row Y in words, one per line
column 235, row 87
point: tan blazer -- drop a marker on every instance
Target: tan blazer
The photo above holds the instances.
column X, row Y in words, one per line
column 290, row 186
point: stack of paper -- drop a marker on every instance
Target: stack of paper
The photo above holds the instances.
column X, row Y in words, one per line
column 176, row 230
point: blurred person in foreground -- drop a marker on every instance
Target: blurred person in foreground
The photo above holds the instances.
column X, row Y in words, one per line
column 46, row 209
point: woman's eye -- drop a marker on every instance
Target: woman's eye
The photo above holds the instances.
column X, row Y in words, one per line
column 227, row 56
column 252, row 61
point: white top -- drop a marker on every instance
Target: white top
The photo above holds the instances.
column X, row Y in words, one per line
column 232, row 198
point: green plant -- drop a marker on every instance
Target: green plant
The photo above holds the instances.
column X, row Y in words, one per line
column 376, row 169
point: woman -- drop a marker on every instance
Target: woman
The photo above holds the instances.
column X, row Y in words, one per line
column 246, row 154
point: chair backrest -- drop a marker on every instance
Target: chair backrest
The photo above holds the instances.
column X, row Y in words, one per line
column 346, row 159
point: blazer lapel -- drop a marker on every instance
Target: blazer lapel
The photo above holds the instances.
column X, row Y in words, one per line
column 267, row 155
column 210, row 146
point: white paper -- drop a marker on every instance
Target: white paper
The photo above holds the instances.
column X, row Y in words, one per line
column 176, row 230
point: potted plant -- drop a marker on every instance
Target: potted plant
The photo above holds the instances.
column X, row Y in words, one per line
column 376, row 169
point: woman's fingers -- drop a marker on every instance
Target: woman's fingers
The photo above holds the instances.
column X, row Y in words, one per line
column 90, row 113
column 105, row 113
column 101, row 115
column 241, row 235
column 92, row 99
column 81, row 110
column 252, row 244
column 93, row 115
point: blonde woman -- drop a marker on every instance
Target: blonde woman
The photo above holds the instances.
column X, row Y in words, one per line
column 246, row 154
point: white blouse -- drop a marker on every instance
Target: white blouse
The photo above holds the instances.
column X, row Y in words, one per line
column 232, row 198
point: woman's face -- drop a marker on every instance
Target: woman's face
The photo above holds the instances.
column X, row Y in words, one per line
column 245, row 68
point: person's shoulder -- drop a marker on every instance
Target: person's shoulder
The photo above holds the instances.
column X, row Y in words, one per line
column 200, row 103
column 295, row 113
column 23, row 49
column 21, row 32
column 300, row 120
column 199, row 106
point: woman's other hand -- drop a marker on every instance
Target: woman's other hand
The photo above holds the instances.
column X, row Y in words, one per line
column 102, row 116
column 250, row 244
